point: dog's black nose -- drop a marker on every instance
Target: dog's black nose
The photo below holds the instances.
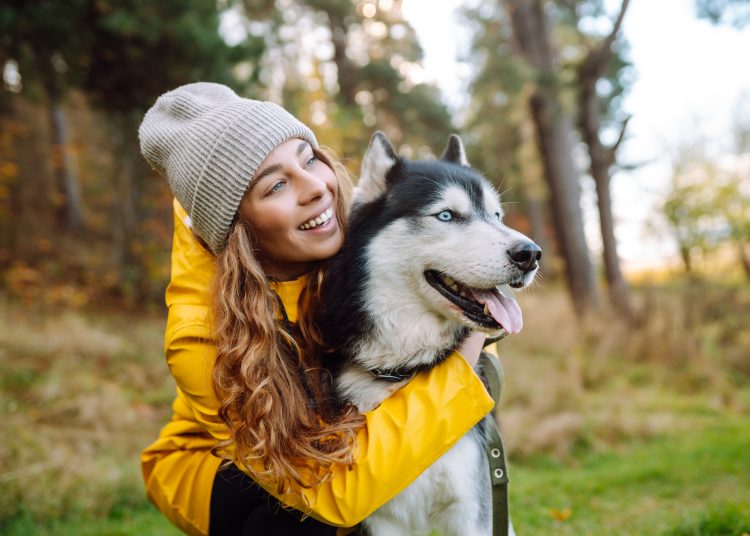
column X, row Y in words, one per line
column 525, row 255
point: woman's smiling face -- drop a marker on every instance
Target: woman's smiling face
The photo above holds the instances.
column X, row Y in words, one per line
column 291, row 205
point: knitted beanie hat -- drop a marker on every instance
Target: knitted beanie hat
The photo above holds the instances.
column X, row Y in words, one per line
column 208, row 142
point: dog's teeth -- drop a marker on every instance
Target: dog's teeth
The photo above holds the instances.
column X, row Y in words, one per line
column 449, row 281
column 486, row 309
column 454, row 287
column 506, row 291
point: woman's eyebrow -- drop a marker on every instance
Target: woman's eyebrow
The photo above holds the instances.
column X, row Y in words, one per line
column 264, row 173
column 275, row 167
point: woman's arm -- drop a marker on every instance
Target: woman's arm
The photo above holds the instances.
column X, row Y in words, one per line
column 401, row 438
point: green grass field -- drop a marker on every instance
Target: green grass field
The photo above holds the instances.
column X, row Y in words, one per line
column 696, row 484
column 610, row 431
column 143, row 521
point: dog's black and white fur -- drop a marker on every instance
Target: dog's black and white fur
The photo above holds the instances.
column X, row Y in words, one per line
column 421, row 236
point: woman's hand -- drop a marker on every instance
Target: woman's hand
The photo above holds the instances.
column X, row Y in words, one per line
column 472, row 346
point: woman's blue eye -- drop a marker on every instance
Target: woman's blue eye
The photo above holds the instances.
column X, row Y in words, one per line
column 276, row 187
column 445, row 215
column 311, row 161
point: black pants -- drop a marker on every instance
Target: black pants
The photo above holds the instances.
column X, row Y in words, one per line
column 240, row 507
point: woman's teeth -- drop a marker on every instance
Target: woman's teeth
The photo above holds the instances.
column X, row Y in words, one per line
column 320, row 220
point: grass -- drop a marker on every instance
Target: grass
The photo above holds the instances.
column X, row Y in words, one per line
column 692, row 483
column 80, row 396
column 611, row 428
column 725, row 520
column 695, row 484
column 142, row 521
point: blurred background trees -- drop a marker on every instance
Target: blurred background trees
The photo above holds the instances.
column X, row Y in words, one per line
column 83, row 218
column 532, row 88
column 78, row 79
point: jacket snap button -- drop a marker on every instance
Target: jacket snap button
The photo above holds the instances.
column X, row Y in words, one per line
column 495, row 453
column 499, row 473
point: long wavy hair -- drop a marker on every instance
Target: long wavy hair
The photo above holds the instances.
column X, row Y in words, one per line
column 274, row 394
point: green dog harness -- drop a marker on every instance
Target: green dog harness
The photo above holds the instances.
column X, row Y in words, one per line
column 493, row 372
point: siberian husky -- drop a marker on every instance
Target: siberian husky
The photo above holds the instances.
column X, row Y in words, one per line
column 427, row 258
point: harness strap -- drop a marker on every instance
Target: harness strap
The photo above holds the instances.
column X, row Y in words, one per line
column 399, row 374
column 391, row 376
column 495, row 451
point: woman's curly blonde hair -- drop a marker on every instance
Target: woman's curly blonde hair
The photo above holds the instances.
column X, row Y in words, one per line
column 273, row 392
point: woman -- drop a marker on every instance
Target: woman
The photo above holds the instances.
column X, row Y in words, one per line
column 258, row 210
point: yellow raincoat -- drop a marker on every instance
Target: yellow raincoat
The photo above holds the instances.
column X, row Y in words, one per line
column 402, row 437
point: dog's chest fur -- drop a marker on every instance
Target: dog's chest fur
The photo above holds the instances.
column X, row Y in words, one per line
column 448, row 497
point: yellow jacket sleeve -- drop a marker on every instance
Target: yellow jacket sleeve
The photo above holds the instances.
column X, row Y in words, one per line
column 401, row 438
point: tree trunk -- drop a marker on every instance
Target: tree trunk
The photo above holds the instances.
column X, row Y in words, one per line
column 345, row 67
column 744, row 259
column 619, row 292
column 554, row 129
column 65, row 164
column 687, row 259
column 532, row 189
column 601, row 160
column 124, row 205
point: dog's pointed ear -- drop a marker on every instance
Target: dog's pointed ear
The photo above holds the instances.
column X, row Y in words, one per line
column 379, row 159
column 454, row 152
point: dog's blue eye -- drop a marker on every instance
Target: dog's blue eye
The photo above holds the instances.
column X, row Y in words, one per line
column 445, row 215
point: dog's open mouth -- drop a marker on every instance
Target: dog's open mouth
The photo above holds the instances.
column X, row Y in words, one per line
column 489, row 308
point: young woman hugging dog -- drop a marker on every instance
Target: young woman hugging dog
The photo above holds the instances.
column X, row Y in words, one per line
column 254, row 445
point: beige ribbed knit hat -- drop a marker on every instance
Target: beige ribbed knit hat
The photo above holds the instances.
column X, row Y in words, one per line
column 208, row 142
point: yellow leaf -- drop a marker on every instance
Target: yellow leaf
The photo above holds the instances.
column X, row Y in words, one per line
column 561, row 515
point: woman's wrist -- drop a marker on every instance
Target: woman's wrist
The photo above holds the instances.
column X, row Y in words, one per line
column 471, row 347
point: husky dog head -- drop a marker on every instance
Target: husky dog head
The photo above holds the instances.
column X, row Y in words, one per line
column 427, row 257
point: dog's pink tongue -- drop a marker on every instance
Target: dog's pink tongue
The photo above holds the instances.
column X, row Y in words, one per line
column 504, row 310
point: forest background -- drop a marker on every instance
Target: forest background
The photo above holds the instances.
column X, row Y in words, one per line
column 627, row 395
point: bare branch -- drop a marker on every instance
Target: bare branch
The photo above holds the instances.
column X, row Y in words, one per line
column 597, row 59
column 615, row 146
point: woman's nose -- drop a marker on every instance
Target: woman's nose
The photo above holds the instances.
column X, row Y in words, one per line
column 313, row 188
